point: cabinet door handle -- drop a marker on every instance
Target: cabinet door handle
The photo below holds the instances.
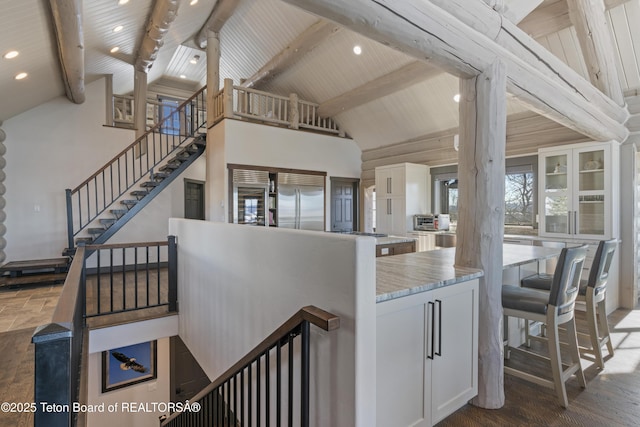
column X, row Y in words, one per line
column 433, row 330
column 575, row 222
column 569, row 223
column 388, row 185
column 388, row 206
column 439, row 352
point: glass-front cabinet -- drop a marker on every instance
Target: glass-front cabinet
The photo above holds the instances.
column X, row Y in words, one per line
column 576, row 191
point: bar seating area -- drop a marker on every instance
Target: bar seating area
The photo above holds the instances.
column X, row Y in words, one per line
column 592, row 291
column 553, row 308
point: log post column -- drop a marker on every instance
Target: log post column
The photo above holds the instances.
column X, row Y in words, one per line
column 213, row 73
column 480, row 231
column 215, row 187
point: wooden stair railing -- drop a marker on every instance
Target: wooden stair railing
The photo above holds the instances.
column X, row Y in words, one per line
column 175, row 135
column 227, row 401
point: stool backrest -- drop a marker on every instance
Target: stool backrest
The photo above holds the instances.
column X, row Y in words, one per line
column 601, row 262
column 566, row 278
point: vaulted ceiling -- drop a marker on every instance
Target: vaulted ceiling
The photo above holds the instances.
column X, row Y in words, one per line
column 410, row 100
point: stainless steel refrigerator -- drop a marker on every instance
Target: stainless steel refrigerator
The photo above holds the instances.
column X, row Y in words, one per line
column 301, row 201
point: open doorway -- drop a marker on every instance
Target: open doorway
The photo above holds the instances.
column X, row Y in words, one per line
column 344, row 204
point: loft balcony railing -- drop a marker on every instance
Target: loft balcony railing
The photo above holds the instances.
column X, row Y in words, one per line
column 251, row 104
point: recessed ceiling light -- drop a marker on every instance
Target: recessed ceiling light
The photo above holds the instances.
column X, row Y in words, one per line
column 195, row 59
column 193, row 2
column 11, row 54
column 182, row 76
column 21, row 76
column 114, row 49
column 456, row 97
column 121, row 2
column 357, row 50
column 118, row 29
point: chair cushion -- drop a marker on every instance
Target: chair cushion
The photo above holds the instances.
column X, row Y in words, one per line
column 524, row 299
column 538, row 281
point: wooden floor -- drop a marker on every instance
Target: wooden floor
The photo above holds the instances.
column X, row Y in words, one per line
column 612, row 396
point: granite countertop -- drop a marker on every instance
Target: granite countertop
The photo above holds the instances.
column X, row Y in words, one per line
column 408, row 274
column 401, row 275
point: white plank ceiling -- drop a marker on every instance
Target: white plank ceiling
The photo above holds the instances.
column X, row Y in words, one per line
column 258, row 30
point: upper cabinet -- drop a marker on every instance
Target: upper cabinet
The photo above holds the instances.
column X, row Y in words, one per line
column 402, row 191
column 577, row 196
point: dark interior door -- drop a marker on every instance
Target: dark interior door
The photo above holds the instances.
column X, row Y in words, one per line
column 187, row 377
column 193, row 199
column 344, row 204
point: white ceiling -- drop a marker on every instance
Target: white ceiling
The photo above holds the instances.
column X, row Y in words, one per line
column 257, row 31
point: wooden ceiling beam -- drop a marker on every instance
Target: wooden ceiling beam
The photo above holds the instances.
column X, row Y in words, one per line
column 67, row 24
column 307, row 41
column 429, row 31
column 402, row 78
column 221, row 12
column 554, row 17
column 590, row 21
column 516, row 10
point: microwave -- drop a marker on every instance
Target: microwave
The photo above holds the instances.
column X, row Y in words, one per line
column 431, row 222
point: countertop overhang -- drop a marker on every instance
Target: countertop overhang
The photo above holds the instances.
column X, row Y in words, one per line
column 408, row 274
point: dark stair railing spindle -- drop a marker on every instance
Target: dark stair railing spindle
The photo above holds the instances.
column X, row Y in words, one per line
column 248, row 404
column 89, row 200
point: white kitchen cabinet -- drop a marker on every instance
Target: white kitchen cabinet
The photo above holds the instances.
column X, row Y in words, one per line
column 426, row 355
column 402, row 191
column 426, row 240
column 578, row 187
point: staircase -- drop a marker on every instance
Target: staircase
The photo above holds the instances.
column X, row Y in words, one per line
column 108, row 199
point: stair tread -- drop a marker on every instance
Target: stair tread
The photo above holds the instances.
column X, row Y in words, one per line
column 149, row 184
column 128, row 202
column 95, row 230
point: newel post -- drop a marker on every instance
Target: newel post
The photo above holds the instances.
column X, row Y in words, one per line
column 69, row 219
column 228, row 98
column 173, row 274
column 294, row 114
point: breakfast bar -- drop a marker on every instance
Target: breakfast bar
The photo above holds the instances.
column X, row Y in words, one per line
column 427, row 329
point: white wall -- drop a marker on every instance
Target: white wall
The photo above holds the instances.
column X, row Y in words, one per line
column 238, row 284
column 149, row 391
column 55, row 146
column 261, row 145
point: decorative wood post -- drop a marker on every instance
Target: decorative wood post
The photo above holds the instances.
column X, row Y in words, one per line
column 228, row 98
column 294, row 113
column 140, row 108
column 481, row 172
column 213, row 74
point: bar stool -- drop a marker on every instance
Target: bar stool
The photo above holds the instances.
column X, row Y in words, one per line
column 592, row 291
column 552, row 308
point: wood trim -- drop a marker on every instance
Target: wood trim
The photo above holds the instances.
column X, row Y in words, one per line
column 125, row 245
column 221, row 12
column 68, row 301
column 232, row 166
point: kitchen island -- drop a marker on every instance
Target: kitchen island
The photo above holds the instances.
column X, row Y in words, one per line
column 427, row 329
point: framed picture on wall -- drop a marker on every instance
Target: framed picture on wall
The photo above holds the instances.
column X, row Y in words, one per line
column 133, row 364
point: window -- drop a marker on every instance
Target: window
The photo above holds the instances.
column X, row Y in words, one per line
column 518, row 199
column 520, row 204
column 178, row 122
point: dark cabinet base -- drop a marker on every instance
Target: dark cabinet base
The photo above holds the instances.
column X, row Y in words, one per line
column 395, row 249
